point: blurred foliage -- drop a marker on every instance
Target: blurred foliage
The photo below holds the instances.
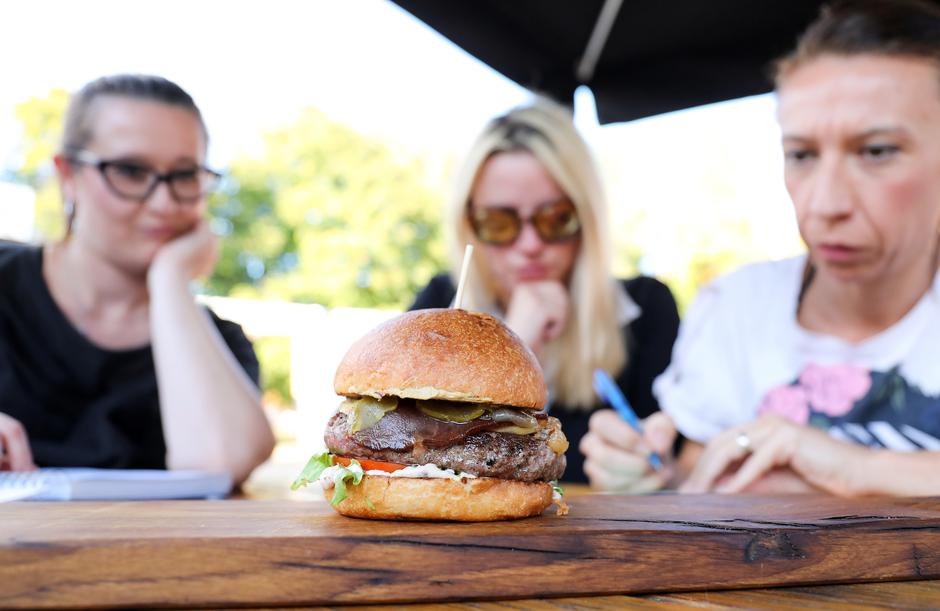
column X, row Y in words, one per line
column 41, row 120
column 325, row 215
column 274, row 355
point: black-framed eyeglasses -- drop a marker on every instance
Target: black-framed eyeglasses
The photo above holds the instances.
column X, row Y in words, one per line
column 555, row 221
column 137, row 181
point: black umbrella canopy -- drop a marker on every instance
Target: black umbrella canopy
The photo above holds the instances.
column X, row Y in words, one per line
column 639, row 57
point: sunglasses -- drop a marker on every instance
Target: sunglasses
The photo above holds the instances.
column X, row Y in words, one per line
column 553, row 222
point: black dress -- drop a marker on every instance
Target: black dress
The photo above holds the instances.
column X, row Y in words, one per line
column 649, row 339
column 81, row 405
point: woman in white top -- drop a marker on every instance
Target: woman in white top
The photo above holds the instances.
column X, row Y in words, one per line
column 821, row 372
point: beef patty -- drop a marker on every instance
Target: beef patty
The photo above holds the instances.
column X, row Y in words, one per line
column 526, row 458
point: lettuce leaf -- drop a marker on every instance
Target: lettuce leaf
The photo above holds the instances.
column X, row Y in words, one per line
column 353, row 472
column 556, row 487
column 317, row 464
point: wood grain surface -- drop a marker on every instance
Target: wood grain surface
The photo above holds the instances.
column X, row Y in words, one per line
column 270, row 553
column 847, row 597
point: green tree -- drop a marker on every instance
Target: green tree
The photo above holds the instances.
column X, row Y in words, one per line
column 41, row 120
column 326, row 215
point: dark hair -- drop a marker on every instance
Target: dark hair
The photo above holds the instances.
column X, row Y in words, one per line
column 79, row 118
column 78, row 129
column 517, row 133
column 858, row 27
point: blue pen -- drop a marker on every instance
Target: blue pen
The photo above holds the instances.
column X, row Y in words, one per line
column 607, row 390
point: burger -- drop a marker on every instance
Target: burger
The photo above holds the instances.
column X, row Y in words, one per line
column 442, row 419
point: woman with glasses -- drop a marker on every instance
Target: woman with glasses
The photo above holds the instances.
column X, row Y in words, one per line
column 822, row 372
column 529, row 198
column 105, row 358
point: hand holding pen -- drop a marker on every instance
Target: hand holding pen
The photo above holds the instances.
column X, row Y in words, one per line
column 610, row 393
column 617, row 449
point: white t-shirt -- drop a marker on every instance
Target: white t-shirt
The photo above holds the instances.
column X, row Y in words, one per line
column 741, row 353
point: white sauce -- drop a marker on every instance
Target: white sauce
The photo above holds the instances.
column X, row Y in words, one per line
column 429, row 471
column 326, row 478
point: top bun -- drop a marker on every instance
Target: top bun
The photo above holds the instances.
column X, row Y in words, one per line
column 446, row 354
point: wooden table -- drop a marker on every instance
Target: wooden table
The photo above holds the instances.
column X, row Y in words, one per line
column 282, row 552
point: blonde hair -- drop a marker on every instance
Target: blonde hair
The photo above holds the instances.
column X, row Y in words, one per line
column 592, row 338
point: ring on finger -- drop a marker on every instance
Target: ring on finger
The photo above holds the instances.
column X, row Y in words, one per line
column 744, row 442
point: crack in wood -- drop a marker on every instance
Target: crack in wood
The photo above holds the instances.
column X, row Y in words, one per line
column 796, row 525
column 42, row 545
column 123, row 582
column 928, row 528
column 915, row 554
column 501, row 548
column 859, row 517
column 725, row 524
column 293, row 564
column 706, row 525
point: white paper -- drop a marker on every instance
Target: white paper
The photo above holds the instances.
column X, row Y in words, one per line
column 80, row 484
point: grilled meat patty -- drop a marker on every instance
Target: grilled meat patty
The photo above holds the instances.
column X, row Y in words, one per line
column 406, row 436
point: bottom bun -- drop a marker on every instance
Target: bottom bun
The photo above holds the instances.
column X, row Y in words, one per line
column 419, row 498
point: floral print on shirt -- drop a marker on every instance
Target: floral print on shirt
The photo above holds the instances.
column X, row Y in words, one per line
column 878, row 409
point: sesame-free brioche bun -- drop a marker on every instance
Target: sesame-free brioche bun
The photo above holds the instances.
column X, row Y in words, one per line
column 469, row 500
column 451, row 354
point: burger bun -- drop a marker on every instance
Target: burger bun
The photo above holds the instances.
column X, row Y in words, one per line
column 478, row 499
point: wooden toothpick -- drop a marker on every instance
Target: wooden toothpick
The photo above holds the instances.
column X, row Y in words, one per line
column 464, row 268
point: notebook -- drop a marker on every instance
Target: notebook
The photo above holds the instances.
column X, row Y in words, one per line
column 79, row 484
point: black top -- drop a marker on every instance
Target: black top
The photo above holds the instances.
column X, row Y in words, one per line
column 649, row 339
column 81, row 405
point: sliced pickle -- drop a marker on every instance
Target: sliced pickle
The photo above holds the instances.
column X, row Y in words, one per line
column 517, row 417
column 365, row 412
column 450, row 412
column 348, row 406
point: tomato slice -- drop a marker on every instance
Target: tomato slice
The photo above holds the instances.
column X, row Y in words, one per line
column 369, row 465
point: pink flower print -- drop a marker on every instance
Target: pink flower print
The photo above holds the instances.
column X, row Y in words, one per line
column 833, row 389
column 786, row 401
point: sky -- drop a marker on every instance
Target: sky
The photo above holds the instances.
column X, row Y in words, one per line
column 253, row 66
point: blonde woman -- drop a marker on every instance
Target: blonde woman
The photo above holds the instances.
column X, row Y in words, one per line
column 530, row 200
